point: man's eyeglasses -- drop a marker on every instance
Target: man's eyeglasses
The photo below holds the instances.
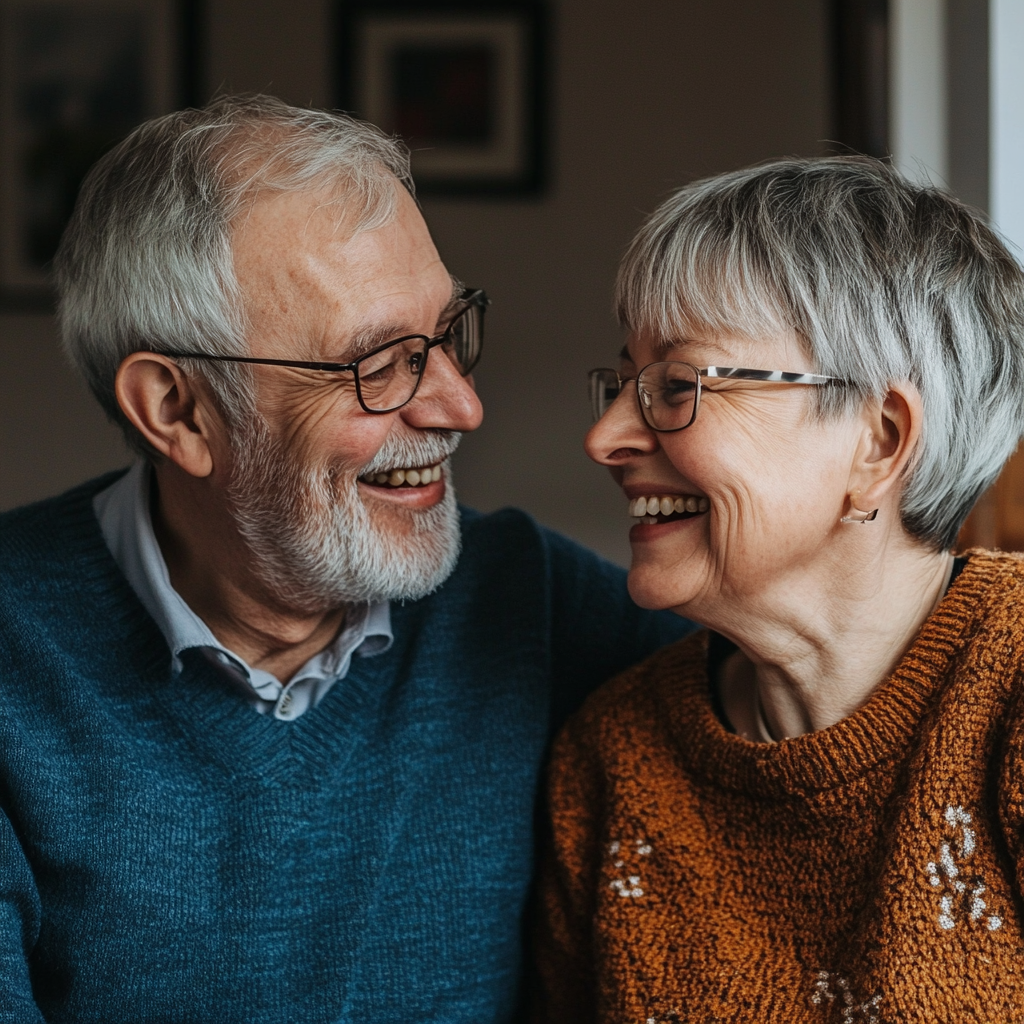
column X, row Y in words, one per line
column 669, row 393
column 388, row 377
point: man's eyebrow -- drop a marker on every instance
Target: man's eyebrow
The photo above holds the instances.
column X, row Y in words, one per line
column 367, row 338
column 372, row 336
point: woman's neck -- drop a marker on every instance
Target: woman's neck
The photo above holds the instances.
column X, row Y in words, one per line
column 811, row 655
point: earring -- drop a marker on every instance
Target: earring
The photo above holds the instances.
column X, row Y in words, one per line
column 856, row 516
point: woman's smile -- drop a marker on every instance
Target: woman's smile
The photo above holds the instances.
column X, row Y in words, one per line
column 656, row 514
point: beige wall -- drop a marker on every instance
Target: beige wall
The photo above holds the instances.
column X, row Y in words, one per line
column 646, row 95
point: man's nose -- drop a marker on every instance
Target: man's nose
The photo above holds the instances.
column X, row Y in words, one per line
column 621, row 433
column 445, row 400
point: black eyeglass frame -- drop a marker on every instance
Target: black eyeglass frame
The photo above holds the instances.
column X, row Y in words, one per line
column 718, row 372
column 474, row 298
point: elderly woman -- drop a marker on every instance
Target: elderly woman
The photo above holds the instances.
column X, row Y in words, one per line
column 814, row 811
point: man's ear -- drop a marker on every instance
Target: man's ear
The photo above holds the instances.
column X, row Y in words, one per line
column 167, row 408
column 888, row 442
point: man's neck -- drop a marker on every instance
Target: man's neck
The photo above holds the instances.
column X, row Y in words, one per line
column 209, row 568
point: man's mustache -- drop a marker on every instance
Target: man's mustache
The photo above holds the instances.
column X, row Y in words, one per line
column 410, row 453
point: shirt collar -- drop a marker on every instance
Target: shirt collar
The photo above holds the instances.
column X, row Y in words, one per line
column 123, row 511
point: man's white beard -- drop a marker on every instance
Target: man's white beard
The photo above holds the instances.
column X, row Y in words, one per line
column 314, row 543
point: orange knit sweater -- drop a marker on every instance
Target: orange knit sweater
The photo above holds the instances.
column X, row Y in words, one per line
column 869, row 872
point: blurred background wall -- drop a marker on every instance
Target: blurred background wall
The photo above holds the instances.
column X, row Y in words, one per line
column 643, row 96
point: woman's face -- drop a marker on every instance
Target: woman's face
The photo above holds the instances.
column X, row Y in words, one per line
column 774, row 476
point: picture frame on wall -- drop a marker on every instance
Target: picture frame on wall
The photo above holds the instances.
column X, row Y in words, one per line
column 75, row 77
column 461, row 82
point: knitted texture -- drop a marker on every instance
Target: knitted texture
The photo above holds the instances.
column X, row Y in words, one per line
column 868, row 872
column 169, row 855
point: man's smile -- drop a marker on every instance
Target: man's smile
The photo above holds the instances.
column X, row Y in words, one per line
column 416, row 477
column 425, row 489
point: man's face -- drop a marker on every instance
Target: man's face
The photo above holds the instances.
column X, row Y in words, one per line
column 313, row 290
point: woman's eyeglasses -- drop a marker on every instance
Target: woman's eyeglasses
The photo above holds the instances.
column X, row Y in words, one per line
column 669, row 393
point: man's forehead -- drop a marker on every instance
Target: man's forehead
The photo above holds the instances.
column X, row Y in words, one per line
column 297, row 260
column 287, row 235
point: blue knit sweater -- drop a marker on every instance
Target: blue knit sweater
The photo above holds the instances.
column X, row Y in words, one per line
column 169, row 855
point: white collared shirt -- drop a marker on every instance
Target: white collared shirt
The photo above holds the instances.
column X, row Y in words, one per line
column 124, row 517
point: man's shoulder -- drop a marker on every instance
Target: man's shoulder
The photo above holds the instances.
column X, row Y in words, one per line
column 36, row 539
column 513, row 568
column 645, row 696
column 504, row 562
column 654, row 681
column 30, row 517
column 510, row 545
column 513, row 530
column 511, row 523
column 504, row 519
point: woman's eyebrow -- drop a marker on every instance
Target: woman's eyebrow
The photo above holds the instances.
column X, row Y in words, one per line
column 704, row 346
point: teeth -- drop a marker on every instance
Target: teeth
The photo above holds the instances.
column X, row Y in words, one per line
column 647, row 509
column 419, row 477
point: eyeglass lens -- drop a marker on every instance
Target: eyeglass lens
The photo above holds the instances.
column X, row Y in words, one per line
column 465, row 336
column 387, row 379
column 667, row 394
column 604, row 389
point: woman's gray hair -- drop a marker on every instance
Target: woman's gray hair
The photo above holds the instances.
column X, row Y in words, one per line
column 146, row 261
column 883, row 280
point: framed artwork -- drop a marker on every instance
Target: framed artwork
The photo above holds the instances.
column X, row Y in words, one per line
column 75, row 77
column 462, row 83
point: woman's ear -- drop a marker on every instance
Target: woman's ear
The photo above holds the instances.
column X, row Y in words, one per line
column 888, row 441
column 165, row 406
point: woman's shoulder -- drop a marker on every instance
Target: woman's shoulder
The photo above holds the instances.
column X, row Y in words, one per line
column 988, row 595
column 998, row 567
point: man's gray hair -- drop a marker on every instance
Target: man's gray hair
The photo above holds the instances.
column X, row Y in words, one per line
column 883, row 280
column 146, row 261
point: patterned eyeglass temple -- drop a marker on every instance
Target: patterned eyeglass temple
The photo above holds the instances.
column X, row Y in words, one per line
column 782, row 376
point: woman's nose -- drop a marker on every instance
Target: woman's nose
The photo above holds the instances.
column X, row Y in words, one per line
column 621, row 433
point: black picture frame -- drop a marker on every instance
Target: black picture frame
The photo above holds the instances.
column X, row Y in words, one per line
column 75, row 77
column 463, row 82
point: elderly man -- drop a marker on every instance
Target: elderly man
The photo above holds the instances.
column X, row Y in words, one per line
column 274, row 708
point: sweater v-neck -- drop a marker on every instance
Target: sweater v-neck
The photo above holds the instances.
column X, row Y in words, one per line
column 830, row 758
column 210, row 715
